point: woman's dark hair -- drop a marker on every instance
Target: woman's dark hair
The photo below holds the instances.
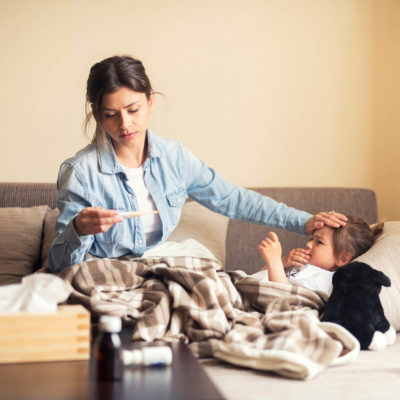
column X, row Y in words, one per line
column 356, row 237
column 107, row 77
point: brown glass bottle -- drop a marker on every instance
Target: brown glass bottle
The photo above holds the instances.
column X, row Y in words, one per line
column 109, row 349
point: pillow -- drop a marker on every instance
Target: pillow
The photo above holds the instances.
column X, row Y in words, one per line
column 21, row 232
column 186, row 248
column 384, row 256
column 207, row 227
column 49, row 233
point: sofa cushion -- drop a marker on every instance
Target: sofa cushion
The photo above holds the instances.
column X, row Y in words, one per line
column 21, row 237
column 197, row 222
column 207, row 227
column 384, row 256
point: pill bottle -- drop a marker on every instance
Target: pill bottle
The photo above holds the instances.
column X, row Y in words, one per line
column 108, row 348
column 152, row 356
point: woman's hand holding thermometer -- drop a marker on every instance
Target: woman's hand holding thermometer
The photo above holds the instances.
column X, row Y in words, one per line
column 93, row 220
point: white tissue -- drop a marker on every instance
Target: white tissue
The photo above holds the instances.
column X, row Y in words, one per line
column 36, row 293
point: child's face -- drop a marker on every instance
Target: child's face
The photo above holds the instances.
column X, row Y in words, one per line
column 321, row 249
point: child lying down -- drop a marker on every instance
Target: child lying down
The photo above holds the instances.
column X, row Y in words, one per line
column 328, row 250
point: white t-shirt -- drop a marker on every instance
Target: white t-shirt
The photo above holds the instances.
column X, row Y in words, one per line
column 151, row 222
column 313, row 278
column 310, row 276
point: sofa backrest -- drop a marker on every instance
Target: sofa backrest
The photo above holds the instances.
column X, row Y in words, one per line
column 28, row 194
column 242, row 238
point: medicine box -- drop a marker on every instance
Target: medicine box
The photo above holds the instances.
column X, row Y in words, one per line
column 58, row 336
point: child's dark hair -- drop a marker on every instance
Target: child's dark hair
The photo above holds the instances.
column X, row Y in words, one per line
column 356, row 237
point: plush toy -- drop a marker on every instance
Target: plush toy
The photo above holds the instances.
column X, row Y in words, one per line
column 354, row 304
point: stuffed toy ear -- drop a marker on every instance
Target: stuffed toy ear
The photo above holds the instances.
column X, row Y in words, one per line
column 381, row 279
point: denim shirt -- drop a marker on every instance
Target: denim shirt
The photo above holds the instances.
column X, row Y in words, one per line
column 95, row 178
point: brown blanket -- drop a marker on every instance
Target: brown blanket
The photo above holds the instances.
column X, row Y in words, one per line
column 230, row 316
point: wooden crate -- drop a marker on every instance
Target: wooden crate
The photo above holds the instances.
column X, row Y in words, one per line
column 59, row 336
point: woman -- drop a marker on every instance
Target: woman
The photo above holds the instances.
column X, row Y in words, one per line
column 128, row 168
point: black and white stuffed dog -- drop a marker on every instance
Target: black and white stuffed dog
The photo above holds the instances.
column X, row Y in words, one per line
column 354, row 304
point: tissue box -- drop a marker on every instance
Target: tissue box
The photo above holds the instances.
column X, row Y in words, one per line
column 58, row 336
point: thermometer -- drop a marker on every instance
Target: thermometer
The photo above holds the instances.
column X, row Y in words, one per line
column 134, row 214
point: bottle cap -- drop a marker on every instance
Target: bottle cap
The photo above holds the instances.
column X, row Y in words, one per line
column 110, row 323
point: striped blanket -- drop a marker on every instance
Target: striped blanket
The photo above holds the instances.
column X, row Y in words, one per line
column 227, row 315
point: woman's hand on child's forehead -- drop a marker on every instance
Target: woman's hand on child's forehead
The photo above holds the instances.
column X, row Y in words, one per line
column 332, row 219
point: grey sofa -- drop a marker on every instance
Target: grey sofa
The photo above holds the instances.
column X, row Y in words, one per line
column 239, row 239
column 374, row 375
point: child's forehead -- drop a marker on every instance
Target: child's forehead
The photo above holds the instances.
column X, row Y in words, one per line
column 326, row 232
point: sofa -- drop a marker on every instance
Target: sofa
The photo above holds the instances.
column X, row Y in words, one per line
column 28, row 213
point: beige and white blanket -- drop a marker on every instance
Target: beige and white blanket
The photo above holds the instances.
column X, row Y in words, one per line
column 230, row 316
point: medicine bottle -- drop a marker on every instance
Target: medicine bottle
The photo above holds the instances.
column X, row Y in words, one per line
column 108, row 348
column 152, row 356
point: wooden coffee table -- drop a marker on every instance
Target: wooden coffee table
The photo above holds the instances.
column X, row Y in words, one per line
column 75, row 380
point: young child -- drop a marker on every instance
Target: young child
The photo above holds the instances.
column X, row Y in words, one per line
column 328, row 250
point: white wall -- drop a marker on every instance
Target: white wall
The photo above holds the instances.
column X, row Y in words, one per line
column 268, row 92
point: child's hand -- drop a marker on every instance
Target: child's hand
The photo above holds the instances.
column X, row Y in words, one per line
column 270, row 249
column 296, row 258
